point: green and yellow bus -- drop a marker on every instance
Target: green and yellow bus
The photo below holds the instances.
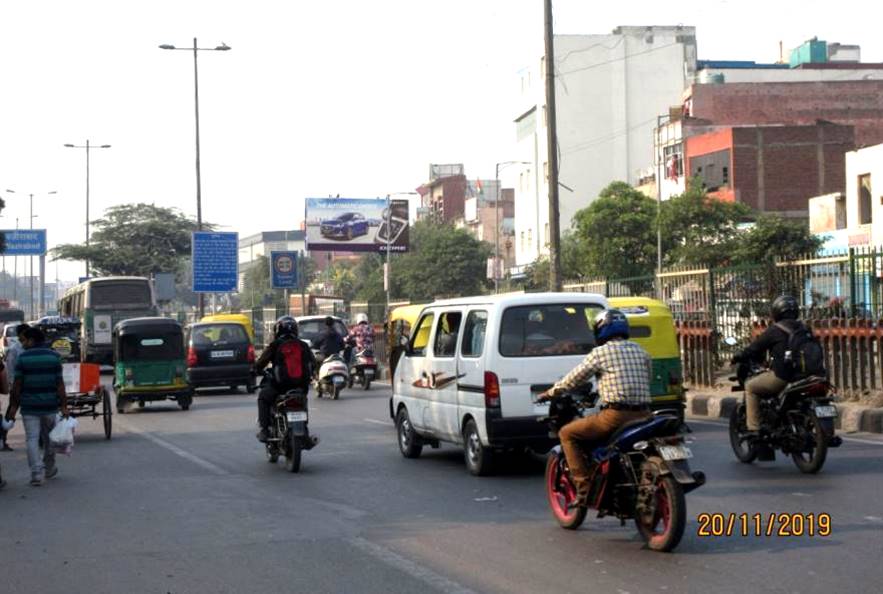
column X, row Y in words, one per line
column 100, row 304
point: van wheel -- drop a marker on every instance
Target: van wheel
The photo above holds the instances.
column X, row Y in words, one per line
column 410, row 444
column 479, row 459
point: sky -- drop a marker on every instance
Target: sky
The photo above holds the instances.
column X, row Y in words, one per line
column 314, row 99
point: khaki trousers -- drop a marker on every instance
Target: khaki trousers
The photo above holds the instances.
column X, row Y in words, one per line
column 593, row 431
column 764, row 384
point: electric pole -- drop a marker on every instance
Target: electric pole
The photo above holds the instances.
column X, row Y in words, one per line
column 552, row 141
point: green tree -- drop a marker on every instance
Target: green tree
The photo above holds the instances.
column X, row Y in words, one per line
column 256, row 290
column 135, row 239
column 773, row 237
column 369, row 273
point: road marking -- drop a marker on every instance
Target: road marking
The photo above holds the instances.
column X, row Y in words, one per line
column 211, row 467
column 723, row 423
column 424, row 574
column 376, row 422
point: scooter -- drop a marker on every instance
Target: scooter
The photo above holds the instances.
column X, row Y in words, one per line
column 333, row 376
column 363, row 369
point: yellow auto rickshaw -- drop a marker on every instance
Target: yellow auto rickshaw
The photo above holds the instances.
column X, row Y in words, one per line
column 652, row 326
column 398, row 327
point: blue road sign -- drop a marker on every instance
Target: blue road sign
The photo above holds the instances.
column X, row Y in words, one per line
column 215, row 261
column 283, row 270
column 25, row 242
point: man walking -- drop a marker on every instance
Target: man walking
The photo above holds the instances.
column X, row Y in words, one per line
column 12, row 354
column 38, row 389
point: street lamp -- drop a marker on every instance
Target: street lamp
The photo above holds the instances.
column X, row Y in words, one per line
column 388, row 271
column 220, row 48
column 31, row 258
column 88, row 147
column 497, row 168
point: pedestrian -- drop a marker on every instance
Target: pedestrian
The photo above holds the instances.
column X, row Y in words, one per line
column 12, row 354
column 38, row 390
column 4, row 389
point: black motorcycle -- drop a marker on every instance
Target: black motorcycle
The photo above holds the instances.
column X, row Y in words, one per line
column 641, row 473
column 799, row 422
column 289, row 433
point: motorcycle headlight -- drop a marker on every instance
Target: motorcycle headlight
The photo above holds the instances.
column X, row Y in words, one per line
column 641, row 445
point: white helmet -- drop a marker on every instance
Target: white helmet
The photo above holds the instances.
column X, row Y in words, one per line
column 361, row 318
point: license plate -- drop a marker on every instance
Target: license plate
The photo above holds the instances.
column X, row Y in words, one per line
column 676, row 452
column 295, row 417
column 825, row 412
column 221, row 354
column 337, row 379
column 369, row 373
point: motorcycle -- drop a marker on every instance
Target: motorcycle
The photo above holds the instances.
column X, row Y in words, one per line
column 641, row 473
column 332, row 377
column 799, row 421
column 289, row 431
column 363, row 369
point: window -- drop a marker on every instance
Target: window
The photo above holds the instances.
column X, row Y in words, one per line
column 522, row 241
column 154, row 348
column 120, row 294
column 473, row 334
column 421, row 335
column 864, row 199
column 546, row 234
column 673, row 160
column 640, row 331
column 548, row 330
column 713, row 168
column 446, row 334
column 530, row 237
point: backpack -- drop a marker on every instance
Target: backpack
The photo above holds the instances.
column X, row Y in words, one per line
column 288, row 367
column 804, row 355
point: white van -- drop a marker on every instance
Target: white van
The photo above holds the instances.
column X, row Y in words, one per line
column 473, row 367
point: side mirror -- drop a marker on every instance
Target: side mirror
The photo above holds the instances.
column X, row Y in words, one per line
column 730, row 341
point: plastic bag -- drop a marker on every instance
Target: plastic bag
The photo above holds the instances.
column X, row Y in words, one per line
column 62, row 435
column 7, row 425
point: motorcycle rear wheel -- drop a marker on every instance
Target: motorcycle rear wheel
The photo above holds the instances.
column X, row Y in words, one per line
column 810, row 462
column 744, row 451
column 336, row 394
column 293, row 455
column 665, row 530
column 561, row 492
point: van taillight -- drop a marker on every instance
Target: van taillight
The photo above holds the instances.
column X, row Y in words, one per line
column 191, row 357
column 250, row 354
column 491, row 390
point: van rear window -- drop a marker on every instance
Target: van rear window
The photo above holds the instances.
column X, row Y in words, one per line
column 548, row 330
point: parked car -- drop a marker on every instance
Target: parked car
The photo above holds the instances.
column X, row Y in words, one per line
column 220, row 354
column 472, row 368
column 346, row 226
column 10, row 335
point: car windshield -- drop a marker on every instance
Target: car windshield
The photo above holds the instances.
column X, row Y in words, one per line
column 548, row 330
column 217, row 334
column 311, row 329
column 154, row 347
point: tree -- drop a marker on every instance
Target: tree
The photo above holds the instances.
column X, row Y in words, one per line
column 256, row 289
column 773, row 237
column 369, row 274
column 135, row 239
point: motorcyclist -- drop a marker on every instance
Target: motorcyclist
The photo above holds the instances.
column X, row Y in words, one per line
column 329, row 342
column 361, row 336
column 623, row 368
column 774, row 340
column 284, row 330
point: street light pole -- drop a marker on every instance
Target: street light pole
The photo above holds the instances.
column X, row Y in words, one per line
column 196, row 49
column 497, row 168
column 32, row 216
column 88, row 146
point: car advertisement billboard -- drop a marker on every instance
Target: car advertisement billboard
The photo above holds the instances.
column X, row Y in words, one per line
column 356, row 224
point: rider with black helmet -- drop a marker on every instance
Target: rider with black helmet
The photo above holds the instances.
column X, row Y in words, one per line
column 284, row 331
column 623, row 368
column 774, row 340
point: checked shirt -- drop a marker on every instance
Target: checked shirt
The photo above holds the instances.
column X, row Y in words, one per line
column 623, row 369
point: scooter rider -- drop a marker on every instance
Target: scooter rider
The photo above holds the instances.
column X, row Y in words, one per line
column 623, row 369
column 284, row 330
column 774, row 341
column 330, row 342
column 361, row 336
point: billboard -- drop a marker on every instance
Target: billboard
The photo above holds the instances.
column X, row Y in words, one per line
column 283, row 270
column 25, row 242
column 356, row 224
column 215, row 261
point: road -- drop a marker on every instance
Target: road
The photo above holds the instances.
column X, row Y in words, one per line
column 184, row 502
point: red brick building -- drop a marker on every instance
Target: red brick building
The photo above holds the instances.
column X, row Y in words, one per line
column 771, row 168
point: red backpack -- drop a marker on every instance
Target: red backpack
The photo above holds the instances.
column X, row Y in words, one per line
column 288, row 368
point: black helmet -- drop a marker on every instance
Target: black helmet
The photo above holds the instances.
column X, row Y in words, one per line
column 285, row 326
column 610, row 323
column 784, row 307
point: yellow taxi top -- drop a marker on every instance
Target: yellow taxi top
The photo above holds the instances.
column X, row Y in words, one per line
column 652, row 324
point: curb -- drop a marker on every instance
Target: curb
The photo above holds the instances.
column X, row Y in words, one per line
column 850, row 419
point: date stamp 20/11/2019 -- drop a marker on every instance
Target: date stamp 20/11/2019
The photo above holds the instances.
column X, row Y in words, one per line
column 764, row 524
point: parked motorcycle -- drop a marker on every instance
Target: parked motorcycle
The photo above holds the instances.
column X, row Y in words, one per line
column 289, row 431
column 641, row 473
column 363, row 369
column 332, row 377
column 799, row 421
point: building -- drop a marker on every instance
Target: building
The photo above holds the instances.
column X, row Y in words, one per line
column 609, row 91
column 252, row 247
column 483, row 216
column 443, row 197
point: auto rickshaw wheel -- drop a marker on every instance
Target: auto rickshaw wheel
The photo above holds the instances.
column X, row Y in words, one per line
column 141, row 404
column 121, row 404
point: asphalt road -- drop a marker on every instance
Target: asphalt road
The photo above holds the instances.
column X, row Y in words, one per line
column 185, row 502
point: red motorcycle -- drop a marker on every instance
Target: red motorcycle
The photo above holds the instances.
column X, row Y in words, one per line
column 363, row 368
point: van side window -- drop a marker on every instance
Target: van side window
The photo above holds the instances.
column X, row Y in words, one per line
column 421, row 336
column 473, row 334
column 446, row 334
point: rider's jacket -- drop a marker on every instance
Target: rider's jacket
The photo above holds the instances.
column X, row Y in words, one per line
column 774, row 341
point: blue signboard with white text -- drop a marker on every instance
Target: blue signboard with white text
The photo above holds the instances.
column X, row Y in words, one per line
column 283, row 270
column 25, row 242
column 215, row 261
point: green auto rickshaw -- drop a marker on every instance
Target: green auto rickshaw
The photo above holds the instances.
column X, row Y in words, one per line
column 149, row 363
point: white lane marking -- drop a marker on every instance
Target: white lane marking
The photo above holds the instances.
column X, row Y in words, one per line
column 376, row 422
column 845, row 437
column 211, row 467
column 424, row 574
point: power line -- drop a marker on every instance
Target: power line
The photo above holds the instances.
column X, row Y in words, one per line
column 620, row 59
column 591, row 47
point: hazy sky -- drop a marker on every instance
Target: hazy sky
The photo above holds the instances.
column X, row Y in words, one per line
column 315, row 98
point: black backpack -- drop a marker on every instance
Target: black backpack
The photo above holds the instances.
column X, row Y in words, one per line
column 804, row 356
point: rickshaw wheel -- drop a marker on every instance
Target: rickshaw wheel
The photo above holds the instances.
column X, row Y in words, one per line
column 106, row 412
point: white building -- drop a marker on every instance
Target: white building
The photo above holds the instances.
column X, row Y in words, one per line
column 864, row 196
column 610, row 89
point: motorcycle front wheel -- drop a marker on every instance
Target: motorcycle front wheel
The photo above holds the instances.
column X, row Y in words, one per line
column 745, row 452
column 811, row 460
column 561, row 493
column 293, row 454
column 664, row 530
